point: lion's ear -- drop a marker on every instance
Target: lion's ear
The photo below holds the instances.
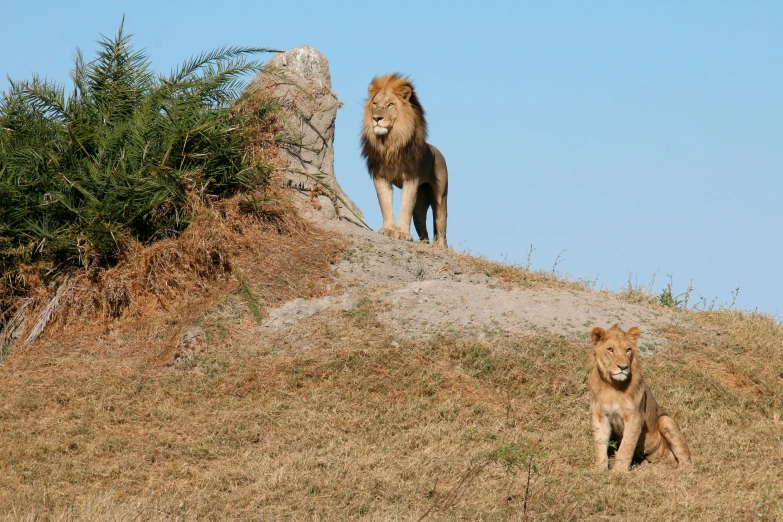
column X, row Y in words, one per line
column 405, row 92
column 371, row 90
column 598, row 334
column 633, row 334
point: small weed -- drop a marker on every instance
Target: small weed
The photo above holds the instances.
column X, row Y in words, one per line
column 513, row 455
column 646, row 347
column 251, row 300
column 666, row 298
column 363, row 313
column 479, row 359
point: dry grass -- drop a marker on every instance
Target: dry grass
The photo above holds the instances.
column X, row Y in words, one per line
column 339, row 420
column 258, row 247
column 517, row 275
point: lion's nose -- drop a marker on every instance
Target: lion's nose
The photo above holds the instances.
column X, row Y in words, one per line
column 376, row 119
column 623, row 368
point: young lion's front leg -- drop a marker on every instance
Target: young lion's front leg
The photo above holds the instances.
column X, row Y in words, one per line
column 601, row 433
column 631, row 432
column 410, row 189
column 385, row 194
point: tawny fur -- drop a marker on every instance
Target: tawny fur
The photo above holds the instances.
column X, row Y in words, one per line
column 623, row 409
column 394, row 144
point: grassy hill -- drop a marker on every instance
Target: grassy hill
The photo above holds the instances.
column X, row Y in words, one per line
column 342, row 416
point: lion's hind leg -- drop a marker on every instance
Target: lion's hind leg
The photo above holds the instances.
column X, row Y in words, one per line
column 423, row 203
column 440, row 191
column 439, row 213
column 671, row 432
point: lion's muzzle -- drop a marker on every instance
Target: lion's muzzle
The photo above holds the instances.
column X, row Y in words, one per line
column 621, row 374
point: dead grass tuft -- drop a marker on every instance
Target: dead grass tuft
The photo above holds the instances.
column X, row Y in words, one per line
column 517, row 275
column 640, row 296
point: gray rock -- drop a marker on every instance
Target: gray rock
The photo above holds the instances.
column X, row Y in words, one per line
column 300, row 81
column 192, row 343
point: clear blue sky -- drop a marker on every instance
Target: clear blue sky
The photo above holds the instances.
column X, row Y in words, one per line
column 637, row 136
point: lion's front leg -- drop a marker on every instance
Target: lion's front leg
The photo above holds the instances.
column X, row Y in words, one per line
column 409, row 190
column 631, row 432
column 385, row 195
column 601, row 433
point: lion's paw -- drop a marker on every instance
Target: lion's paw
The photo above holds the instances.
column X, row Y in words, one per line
column 387, row 232
column 405, row 236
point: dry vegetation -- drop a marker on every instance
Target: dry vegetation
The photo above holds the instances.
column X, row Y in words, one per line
column 519, row 276
column 338, row 419
column 259, row 247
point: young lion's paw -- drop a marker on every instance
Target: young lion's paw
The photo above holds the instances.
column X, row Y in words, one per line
column 620, row 467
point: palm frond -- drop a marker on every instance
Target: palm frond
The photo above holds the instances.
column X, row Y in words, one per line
column 192, row 66
column 44, row 96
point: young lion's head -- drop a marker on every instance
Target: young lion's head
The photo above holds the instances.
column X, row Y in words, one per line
column 615, row 352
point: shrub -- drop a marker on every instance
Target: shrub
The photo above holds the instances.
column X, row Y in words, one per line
column 127, row 156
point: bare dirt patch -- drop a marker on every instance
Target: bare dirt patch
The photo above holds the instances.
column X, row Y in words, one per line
column 426, row 291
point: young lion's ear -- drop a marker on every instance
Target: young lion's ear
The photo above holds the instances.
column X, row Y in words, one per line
column 405, row 92
column 598, row 334
column 633, row 334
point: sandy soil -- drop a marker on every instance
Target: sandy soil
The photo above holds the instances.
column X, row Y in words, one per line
column 425, row 291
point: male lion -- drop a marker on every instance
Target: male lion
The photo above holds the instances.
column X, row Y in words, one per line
column 394, row 143
column 623, row 409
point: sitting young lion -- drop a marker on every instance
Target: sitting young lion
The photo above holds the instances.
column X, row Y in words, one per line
column 623, row 409
column 394, row 144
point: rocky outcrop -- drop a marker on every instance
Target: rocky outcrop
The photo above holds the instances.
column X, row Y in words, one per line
column 299, row 80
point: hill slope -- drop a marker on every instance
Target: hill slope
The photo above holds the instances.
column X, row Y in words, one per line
column 410, row 383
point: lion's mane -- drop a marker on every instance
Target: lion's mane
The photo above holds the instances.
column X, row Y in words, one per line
column 395, row 156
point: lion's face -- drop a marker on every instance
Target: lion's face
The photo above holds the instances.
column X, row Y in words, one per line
column 615, row 351
column 385, row 107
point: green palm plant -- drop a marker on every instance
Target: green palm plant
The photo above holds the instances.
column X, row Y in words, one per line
column 123, row 155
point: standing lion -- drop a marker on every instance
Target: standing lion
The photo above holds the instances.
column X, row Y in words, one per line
column 623, row 409
column 394, row 143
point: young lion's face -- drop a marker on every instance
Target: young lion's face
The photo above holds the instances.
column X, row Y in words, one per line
column 614, row 351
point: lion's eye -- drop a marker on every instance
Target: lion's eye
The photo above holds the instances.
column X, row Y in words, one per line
column 610, row 350
column 390, row 105
column 374, row 104
column 628, row 350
